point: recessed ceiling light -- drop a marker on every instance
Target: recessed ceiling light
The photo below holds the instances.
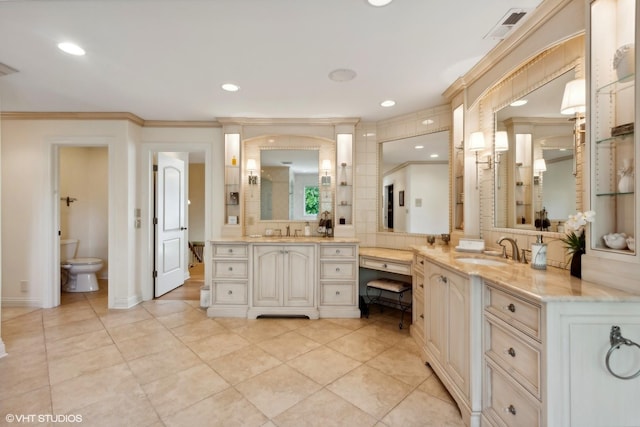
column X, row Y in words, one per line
column 71, row 48
column 230, row 87
column 342, row 75
column 434, row 156
column 519, row 103
column 369, row 134
column 419, row 147
column 427, row 122
column 388, row 103
column 379, row 3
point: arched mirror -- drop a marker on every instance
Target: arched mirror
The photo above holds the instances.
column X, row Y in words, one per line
column 414, row 184
column 535, row 167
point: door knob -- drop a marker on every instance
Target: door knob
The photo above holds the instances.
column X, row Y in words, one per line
column 183, row 228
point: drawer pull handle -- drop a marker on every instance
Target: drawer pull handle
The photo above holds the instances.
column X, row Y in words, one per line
column 230, row 292
column 511, row 352
column 337, row 269
column 337, row 292
column 511, row 308
column 422, row 316
column 230, row 268
column 384, row 265
column 511, row 409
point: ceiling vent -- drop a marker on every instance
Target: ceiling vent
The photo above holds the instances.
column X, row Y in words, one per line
column 5, row 69
column 506, row 24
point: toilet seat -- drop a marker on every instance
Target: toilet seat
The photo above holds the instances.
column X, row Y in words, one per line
column 83, row 261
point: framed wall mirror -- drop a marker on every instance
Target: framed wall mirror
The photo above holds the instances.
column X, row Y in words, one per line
column 289, row 185
column 414, row 184
column 535, row 177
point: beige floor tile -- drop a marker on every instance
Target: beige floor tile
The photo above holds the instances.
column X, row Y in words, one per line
column 402, row 365
column 160, row 308
column 97, row 386
column 288, row 346
column 71, row 313
column 386, row 332
column 182, row 389
column 261, row 329
column 324, row 409
column 67, row 347
column 359, row 346
column 81, row 363
column 218, row 345
column 420, row 409
column 353, row 324
column 30, row 321
column 323, row 331
column 37, row 401
column 434, row 387
column 198, row 330
column 13, row 312
column 182, row 317
column 244, row 364
column 115, row 318
column 277, row 389
column 323, row 365
column 23, row 342
column 72, row 329
column 23, row 372
column 136, row 330
column 233, row 323
column 159, row 365
column 123, row 409
column 225, row 409
column 100, row 305
column 155, row 342
column 370, row 390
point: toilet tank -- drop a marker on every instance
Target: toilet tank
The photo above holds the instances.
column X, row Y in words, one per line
column 68, row 248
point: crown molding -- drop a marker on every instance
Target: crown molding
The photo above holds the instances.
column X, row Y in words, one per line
column 250, row 121
column 182, row 124
column 45, row 115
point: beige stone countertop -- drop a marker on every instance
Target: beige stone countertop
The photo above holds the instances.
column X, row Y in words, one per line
column 386, row 254
column 552, row 284
column 273, row 239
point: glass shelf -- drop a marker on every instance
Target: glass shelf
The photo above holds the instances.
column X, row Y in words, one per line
column 611, row 194
column 614, row 139
column 612, row 87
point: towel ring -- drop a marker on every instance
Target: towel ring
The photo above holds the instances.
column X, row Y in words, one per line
column 616, row 339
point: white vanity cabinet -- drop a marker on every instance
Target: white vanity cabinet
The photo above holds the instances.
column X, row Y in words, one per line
column 230, row 284
column 418, row 302
column 338, row 293
column 284, row 280
column 452, row 335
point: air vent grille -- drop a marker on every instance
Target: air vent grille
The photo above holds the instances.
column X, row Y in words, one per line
column 506, row 24
column 5, row 69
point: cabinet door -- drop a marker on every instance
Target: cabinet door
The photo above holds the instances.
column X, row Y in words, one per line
column 436, row 303
column 299, row 283
column 268, row 275
column 457, row 318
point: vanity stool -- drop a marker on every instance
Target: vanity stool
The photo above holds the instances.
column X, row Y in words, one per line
column 374, row 294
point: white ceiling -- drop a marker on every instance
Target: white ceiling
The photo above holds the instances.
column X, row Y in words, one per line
column 166, row 59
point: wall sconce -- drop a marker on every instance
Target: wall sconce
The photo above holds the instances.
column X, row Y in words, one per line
column 476, row 144
column 539, row 166
column 501, row 144
column 573, row 100
column 326, row 167
column 251, row 167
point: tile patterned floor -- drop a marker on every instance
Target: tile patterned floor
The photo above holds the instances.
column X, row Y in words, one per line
column 165, row 363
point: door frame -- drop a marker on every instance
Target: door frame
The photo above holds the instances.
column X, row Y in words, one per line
column 147, row 243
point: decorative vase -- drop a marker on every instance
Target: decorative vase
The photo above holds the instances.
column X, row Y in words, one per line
column 624, row 62
column 576, row 264
column 625, row 185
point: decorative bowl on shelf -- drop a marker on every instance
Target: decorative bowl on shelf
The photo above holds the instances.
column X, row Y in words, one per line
column 631, row 243
column 615, row 240
column 624, row 62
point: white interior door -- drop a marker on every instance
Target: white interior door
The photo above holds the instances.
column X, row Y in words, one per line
column 170, row 224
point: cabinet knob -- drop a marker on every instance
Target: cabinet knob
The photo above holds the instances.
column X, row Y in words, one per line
column 230, row 251
column 384, row 265
column 230, row 268
column 230, row 292
column 443, row 279
column 422, row 316
column 511, row 409
column 337, row 269
column 421, row 285
column 422, row 262
column 337, row 292
column 338, row 251
column 511, row 308
column 511, row 352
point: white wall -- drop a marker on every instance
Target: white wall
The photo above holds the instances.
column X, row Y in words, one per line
column 555, row 199
column 84, row 176
column 429, row 186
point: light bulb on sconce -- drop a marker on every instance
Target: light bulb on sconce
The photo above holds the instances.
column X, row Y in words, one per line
column 326, row 167
column 539, row 166
column 251, row 167
column 574, row 98
column 476, row 144
column 500, row 144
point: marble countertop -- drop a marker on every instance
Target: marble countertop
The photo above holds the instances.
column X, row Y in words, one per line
column 273, row 239
column 397, row 255
column 552, row 284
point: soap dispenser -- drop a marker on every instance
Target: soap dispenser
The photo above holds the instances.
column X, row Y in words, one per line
column 539, row 254
column 307, row 229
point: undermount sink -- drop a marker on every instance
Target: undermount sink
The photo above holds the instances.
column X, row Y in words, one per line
column 482, row 261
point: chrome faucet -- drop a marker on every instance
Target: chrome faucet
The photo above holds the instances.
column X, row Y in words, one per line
column 515, row 254
column 288, row 231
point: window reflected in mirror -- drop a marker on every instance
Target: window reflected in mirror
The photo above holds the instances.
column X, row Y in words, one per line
column 415, row 184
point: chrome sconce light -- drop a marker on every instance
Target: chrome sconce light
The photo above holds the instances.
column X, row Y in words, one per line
column 251, row 167
column 326, row 167
column 476, row 144
column 574, row 103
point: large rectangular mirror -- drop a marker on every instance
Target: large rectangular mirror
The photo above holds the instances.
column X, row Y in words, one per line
column 415, row 184
column 535, row 179
column 289, row 184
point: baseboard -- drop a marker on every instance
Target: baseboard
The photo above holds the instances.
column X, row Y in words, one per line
column 21, row 302
column 124, row 303
column 3, row 351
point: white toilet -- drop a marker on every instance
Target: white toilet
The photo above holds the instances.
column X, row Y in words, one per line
column 78, row 274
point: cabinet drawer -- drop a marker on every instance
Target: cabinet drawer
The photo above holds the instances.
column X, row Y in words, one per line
column 230, row 269
column 517, row 312
column 230, row 251
column 330, row 251
column 338, row 270
column 230, row 293
column 337, row 294
column 393, row 267
column 520, row 359
column 418, row 264
column 417, row 310
column 418, row 286
column 509, row 403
